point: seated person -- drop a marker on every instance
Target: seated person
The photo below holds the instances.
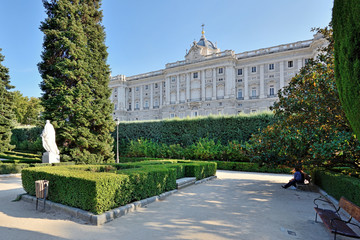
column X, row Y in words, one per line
column 298, row 178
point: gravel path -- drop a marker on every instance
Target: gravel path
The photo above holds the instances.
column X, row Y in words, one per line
column 236, row 205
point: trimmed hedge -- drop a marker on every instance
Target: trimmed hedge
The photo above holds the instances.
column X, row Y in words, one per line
column 14, row 166
column 98, row 188
column 186, row 132
column 337, row 185
column 249, row 167
column 7, row 168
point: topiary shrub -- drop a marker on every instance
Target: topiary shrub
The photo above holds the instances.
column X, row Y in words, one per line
column 98, row 188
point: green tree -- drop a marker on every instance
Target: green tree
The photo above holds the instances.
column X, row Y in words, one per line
column 311, row 127
column 346, row 26
column 75, row 80
column 20, row 106
column 6, row 108
column 27, row 110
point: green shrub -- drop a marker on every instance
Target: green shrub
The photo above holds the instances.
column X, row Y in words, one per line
column 8, row 168
column 186, row 132
column 98, row 188
column 250, row 167
column 338, row 185
column 27, row 139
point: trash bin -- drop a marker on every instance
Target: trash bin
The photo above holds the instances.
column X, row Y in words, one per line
column 41, row 189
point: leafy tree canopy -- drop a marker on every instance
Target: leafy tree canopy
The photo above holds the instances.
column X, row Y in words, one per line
column 311, row 126
column 27, row 110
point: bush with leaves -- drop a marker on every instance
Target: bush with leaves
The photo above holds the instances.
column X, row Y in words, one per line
column 311, row 126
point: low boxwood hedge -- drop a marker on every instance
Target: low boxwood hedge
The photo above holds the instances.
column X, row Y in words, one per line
column 249, row 167
column 98, row 188
column 338, row 185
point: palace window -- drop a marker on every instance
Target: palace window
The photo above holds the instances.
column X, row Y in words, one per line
column 239, row 93
column 115, row 107
column 146, row 87
column 253, row 92
column 173, row 79
column 221, row 70
column 271, row 66
column 290, row 64
column 129, row 89
column 156, row 85
column 240, row 71
column 156, row 103
column 137, row 89
column 129, row 106
column 239, row 80
column 307, row 60
column 172, row 115
column 253, row 69
column 136, row 105
column 195, row 75
column 272, row 90
column 146, row 104
column 195, row 113
column 221, row 79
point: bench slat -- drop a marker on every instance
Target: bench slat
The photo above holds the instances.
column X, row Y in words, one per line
column 341, row 228
column 350, row 207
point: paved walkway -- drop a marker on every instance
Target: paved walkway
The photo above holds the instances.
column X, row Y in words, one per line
column 236, row 205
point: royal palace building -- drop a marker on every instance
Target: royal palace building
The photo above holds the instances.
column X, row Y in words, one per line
column 210, row 81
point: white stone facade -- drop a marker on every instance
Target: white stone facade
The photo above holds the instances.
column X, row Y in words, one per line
column 209, row 81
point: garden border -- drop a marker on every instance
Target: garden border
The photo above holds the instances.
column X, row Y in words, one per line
column 108, row 215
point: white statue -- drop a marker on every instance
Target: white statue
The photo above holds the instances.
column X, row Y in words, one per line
column 48, row 141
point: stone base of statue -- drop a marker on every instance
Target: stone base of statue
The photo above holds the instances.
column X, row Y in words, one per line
column 49, row 157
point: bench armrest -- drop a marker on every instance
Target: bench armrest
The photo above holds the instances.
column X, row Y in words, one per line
column 322, row 199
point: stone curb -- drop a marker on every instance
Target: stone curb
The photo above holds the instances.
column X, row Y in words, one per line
column 10, row 175
column 106, row 216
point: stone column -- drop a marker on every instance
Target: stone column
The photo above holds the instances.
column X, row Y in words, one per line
column 282, row 74
column 188, row 76
column 178, row 89
column 141, row 97
column 246, row 83
column 161, row 93
column 132, row 99
column 262, row 81
column 214, row 84
column 299, row 64
column 121, row 97
column 167, row 90
column 230, row 82
column 202, row 85
column 151, row 96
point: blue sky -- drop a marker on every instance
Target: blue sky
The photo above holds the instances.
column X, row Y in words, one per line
column 143, row 35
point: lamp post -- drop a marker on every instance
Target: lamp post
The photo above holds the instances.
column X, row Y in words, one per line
column 117, row 140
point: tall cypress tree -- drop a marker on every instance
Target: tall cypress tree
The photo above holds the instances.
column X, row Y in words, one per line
column 75, row 80
column 346, row 25
column 7, row 117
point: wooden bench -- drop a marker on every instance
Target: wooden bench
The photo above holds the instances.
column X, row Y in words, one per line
column 333, row 221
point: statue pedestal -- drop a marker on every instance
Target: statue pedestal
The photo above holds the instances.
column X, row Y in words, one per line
column 49, row 157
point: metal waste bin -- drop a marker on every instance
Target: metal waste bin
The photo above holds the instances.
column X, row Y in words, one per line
column 41, row 189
